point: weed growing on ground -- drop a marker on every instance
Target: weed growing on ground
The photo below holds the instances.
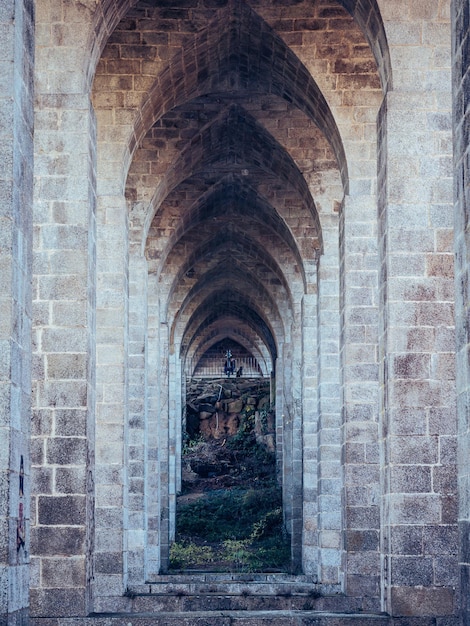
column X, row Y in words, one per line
column 184, row 555
column 245, row 529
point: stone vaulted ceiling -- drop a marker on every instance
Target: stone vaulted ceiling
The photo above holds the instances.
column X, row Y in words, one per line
column 234, row 155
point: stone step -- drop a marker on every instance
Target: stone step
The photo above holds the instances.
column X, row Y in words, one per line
column 249, row 599
column 207, row 593
column 241, row 602
column 234, row 583
column 227, row 618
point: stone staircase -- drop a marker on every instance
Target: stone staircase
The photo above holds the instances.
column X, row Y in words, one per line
column 202, row 599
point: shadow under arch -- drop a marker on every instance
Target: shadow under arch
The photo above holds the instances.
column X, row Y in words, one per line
column 218, row 305
column 246, row 54
column 217, row 335
column 366, row 13
column 236, row 138
column 224, row 240
column 216, row 280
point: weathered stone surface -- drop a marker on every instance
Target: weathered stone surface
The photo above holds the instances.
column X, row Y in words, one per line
column 247, row 176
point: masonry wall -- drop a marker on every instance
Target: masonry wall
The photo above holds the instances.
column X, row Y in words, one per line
column 396, row 534
column 16, row 176
column 417, row 403
column 64, row 308
column 461, row 89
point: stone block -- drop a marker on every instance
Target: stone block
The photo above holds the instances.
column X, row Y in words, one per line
column 64, row 340
column 66, row 451
column 363, row 563
column 360, row 585
column 63, row 393
column 361, row 540
column 440, row 540
column 363, row 518
column 415, row 508
column 46, row 541
column 61, row 510
column 41, row 480
column 66, row 366
column 411, row 571
column 446, row 571
column 108, row 563
column 63, row 573
column 408, row 421
column 445, row 479
column 70, row 422
column 59, row 602
column 70, row 480
column 412, row 601
column 405, row 481
column 407, row 540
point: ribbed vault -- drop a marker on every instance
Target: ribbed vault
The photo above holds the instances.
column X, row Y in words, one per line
column 221, row 197
column 226, row 121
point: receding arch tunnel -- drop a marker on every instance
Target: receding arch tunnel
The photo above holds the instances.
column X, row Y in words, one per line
column 188, row 178
column 235, row 173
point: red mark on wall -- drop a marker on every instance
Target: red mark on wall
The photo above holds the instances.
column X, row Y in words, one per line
column 20, row 524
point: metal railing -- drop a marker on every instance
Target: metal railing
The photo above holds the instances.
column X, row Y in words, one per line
column 214, row 368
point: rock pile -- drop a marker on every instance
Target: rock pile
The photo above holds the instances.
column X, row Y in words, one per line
column 229, row 434
column 215, row 409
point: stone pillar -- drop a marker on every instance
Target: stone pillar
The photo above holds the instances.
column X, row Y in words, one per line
column 310, row 435
column 64, row 338
column 330, row 483
column 461, row 88
column 419, row 531
column 180, row 391
column 292, row 452
column 358, row 249
column 112, row 408
column 153, row 496
column 136, row 434
column 174, row 433
column 16, row 193
column 157, row 500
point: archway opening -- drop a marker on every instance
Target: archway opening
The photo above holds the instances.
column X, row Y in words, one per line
column 236, row 167
column 229, row 513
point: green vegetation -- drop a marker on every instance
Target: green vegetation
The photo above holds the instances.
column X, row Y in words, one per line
column 226, row 514
column 232, row 530
column 184, row 555
column 229, row 516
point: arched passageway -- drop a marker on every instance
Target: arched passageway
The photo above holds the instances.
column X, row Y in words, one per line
column 247, row 172
column 234, row 172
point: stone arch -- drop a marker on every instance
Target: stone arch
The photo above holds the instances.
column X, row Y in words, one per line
column 241, row 200
column 237, row 304
column 304, row 81
column 366, row 13
column 220, row 67
column 227, row 141
column 245, row 337
column 213, row 280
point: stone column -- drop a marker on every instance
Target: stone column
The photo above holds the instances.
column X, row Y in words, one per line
column 330, row 482
column 310, row 435
column 358, row 246
column 157, row 438
column 16, row 185
column 112, row 407
column 292, row 453
column 419, row 531
column 136, row 433
column 174, row 436
column 461, row 89
column 64, row 339
column 153, row 496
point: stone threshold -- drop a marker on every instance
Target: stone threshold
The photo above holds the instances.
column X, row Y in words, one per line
column 214, row 582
